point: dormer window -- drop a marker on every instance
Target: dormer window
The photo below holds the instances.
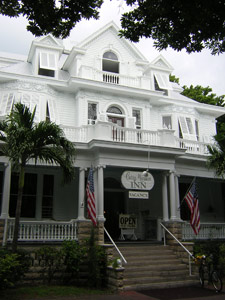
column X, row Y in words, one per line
column 47, row 64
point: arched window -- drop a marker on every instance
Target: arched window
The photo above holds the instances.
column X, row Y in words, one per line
column 110, row 62
column 114, row 110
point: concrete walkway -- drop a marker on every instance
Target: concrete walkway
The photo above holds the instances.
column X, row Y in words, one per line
column 185, row 293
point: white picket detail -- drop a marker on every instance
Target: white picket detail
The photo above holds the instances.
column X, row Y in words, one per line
column 207, row 231
column 44, row 230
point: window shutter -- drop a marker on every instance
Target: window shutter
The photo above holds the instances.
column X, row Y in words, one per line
column 186, row 130
column 47, row 61
column 34, row 102
column 53, row 111
column 31, row 101
column 6, row 104
column 163, row 81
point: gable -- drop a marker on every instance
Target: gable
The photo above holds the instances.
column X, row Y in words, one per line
column 161, row 63
column 108, row 35
column 49, row 40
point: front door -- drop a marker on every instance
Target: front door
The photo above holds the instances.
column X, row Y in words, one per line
column 116, row 120
column 113, row 206
column 118, row 134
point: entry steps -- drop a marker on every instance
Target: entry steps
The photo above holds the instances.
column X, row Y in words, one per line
column 153, row 267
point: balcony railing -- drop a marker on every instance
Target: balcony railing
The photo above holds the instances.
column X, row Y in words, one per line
column 207, row 231
column 114, row 78
column 192, row 146
column 108, row 131
column 43, row 231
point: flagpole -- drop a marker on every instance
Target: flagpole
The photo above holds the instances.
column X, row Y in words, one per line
column 186, row 193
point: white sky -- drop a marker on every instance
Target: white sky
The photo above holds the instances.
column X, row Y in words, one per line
column 198, row 69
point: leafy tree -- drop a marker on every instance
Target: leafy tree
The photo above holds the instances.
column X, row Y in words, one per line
column 191, row 25
column 173, row 78
column 203, row 95
column 56, row 17
column 24, row 140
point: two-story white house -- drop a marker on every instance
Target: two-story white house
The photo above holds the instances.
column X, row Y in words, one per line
column 124, row 117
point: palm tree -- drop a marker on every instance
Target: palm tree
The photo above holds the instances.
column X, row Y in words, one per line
column 216, row 160
column 24, row 140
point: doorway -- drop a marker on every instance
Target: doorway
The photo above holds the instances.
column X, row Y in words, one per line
column 114, row 205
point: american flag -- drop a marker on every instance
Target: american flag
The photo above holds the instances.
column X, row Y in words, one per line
column 192, row 201
column 91, row 197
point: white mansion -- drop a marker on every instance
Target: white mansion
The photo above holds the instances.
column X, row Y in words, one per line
column 124, row 116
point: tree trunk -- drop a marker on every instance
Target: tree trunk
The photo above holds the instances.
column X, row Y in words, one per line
column 18, row 207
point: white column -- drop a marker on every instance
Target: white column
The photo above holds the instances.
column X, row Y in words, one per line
column 100, row 202
column 165, row 198
column 173, row 209
column 177, row 195
column 81, row 194
column 6, row 191
column 96, row 189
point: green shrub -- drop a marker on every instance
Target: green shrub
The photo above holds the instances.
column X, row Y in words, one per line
column 73, row 257
column 50, row 259
column 13, row 266
column 97, row 263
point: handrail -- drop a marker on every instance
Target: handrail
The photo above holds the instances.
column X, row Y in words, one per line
column 117, row 249
column 189, row 253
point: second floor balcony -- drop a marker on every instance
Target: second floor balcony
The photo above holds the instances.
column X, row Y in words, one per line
column 107, row 131
column 142, row 82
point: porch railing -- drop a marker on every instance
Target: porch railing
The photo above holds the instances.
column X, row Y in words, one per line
column 43, row 231
column 207, row 231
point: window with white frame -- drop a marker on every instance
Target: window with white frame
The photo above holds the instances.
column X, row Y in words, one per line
column 92, row 113
column 48, row 196
column 47, row 64
column 136, row 113
column 186, row 128
column 110, row 62
column 167, row 122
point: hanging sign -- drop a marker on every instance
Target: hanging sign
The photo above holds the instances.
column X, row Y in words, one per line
column 138, row 195
column 137, row 180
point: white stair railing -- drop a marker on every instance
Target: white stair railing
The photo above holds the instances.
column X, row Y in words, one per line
column 190, row 255
column 117, row 249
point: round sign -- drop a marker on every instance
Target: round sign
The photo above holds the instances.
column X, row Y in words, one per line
column 137, row 180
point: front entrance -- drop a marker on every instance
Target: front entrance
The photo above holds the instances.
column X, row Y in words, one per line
column 114, row 206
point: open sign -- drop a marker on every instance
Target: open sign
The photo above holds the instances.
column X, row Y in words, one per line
column 127, row 221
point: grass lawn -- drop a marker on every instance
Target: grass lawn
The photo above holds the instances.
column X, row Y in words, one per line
column 45, row 292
